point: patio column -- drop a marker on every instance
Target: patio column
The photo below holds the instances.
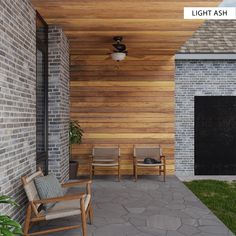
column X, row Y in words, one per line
column 58, row 107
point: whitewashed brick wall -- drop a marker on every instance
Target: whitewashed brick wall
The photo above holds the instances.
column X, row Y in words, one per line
column 197, row 78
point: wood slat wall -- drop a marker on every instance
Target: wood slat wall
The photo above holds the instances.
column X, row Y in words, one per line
column 124, row 103
column 133, row 101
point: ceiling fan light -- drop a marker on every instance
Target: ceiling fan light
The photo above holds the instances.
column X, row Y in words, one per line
column 118, row 56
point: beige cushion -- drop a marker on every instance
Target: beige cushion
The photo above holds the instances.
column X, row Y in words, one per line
column 105, row 164
column 32, row 192
column 149, row 165
column 30, row 187
column 66, row 208
column 104, row 160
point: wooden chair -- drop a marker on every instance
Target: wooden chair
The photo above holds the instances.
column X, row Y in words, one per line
column 68, row 205
column 105, row 156
column 149, row 151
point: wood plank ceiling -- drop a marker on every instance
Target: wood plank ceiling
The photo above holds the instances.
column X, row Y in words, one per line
column 132, row 101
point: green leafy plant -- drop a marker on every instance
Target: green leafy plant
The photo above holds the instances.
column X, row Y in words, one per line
column 8, row 226
column 75, row 133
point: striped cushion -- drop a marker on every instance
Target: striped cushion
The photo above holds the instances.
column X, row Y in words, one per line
column 48, row 187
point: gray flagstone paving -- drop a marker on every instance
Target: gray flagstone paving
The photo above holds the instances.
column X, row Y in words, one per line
column 148, row 207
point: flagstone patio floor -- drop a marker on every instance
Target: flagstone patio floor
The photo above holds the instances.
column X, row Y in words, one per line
column 147, row 207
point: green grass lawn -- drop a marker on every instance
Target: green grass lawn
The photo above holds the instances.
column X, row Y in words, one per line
column 219, row 196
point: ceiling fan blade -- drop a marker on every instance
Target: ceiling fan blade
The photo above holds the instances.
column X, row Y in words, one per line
column 108, row 57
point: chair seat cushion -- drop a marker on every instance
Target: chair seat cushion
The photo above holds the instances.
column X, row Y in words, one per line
column 104, row 160
column 105, row 164
column 150, row 165
column 66, row 208
column 48, row 187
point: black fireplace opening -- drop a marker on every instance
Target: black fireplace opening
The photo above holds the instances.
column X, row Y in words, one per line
column 215, row 135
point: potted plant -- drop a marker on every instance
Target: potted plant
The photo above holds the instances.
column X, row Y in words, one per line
column 8, row 226
column 75, row 136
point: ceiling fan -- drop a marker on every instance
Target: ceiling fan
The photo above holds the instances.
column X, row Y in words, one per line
column 120, row 51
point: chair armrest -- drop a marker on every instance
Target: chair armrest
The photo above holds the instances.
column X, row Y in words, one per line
column 76, row 183
column 87, row 183
column 60, row 199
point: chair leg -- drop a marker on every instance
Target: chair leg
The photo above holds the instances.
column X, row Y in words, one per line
column 83, row 218
column 90, row 214
column 133, row 169
column 136, row 172
column 27, row 220
column 119, row 173
column 91, row 172
column 164, row 174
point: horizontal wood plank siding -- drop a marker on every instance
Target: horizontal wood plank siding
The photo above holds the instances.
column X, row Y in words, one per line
column 126, row 103
column 132, row 101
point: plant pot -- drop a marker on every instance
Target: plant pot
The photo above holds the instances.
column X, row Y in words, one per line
column 73, row 169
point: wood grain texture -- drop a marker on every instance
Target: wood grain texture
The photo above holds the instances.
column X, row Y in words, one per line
column 131, row 102
column 127, row 103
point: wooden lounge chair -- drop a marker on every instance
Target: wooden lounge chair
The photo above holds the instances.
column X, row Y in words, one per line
column 105, row 156
column 149, row 151
column 68, row 205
